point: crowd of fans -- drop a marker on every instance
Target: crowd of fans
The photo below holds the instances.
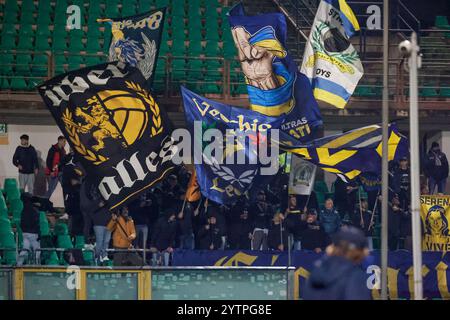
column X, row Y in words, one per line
column 160, row 220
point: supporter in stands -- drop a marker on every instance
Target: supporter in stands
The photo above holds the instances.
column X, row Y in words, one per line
column 139, row 211
column 170, row 190
column 362, row 218
column 345, row 197
column 184, row 217
column 30, row 226
column 97, row 215
column 277, row 238
column 436, row 169
column 313, row 236
column 54, row 157
column 163, row 237
column 338, row 275
column 210, row 235
column 71, row 183
column 260, row 213
column 394, row 219
column 240, row 228
column 294, row 220
column 329, row 218
column 123, row 234
column 401, row 183
column 26, row 160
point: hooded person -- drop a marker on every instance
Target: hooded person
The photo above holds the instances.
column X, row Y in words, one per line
column 277, row 239
column 436, row 169
column 339, row 275
column 164, row 236
column 30, row 225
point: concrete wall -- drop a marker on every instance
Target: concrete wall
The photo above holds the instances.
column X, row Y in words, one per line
column 41, row 137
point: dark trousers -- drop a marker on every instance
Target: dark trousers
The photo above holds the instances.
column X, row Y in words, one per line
column 127, row 259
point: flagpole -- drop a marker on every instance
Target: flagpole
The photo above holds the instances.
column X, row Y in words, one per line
column 414, row 64
column 384, row 158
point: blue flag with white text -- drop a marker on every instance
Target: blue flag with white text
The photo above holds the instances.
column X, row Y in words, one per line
column 227, row 166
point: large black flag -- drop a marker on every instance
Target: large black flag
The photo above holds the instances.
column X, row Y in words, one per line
column 135, row 40
column 115, row 126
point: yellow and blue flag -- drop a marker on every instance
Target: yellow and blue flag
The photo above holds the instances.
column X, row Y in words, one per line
column 352, row 153
column 330, row 61
column 219, row 179
column 275, row 86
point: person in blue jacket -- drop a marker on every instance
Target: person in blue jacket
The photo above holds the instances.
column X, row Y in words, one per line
column 338, row 275
column 329, row 218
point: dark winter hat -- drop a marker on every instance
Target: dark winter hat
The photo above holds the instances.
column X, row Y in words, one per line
column 312, row 212
column 351, row 236
column 170, row 212
column 24, row 137
column 434, row 145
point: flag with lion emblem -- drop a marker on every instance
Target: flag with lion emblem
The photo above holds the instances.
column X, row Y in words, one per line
column 435, row 214
column 330, row 61
column 115, row 127
column 135, row 40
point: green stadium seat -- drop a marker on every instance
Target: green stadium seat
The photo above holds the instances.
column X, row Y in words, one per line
column 320, row 186
column 320, row 198
column 441, row 22
column 195, row 48
column 445, row 92
column 40, row 65
column 144, row 6
column 11, row 6
column 75, row 62
column 8, row 42
column 13, row 194
column 28, row 5
column 212, row 49
column 364, row 91
column 5, row 227
column 25, row 43
column 211, row 88
column 10, row 183
column 60, row 61
column 428, row 92
column 112, row 12
column 23, row 65
column 93, row 45
column 16, row 208
column 64, row 241
column 27, row 18
column 178, row 13
column 162, row 3
column 5, row 83
column 76, row 44
column 212, row 34
column 6, row 64
column 79, row 242
column 128, row 9
column 42, row 43
column 178, row 69
column 59, row 43
column 195, row 69
column 43, row 224
column 229, row 50
column 61, row 228
column 93, row 60
column 10, row 18
column 26, row 30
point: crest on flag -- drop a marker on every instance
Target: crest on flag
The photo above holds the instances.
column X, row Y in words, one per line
column 114, row 125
